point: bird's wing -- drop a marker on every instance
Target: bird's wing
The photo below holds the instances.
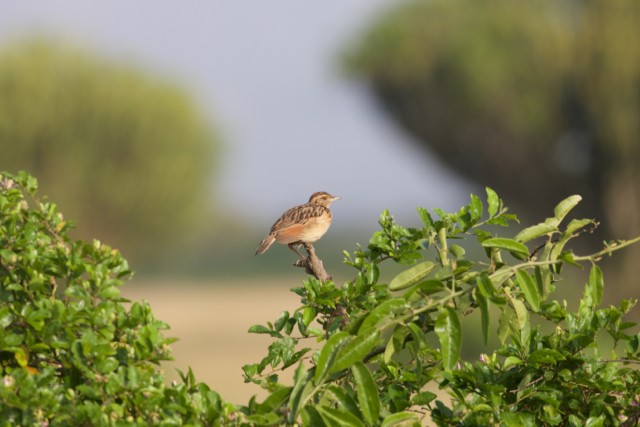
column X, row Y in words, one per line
column 298, row 216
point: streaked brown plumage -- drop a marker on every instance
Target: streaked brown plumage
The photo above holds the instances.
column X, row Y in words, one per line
column 301, row 224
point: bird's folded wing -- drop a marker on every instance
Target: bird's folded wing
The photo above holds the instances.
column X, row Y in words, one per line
column 299, row 215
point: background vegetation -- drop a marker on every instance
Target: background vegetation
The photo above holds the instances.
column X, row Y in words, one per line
column 535, row 99
column 114, row 145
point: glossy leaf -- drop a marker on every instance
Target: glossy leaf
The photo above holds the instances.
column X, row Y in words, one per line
column 475, row 208
column 425, row 216
column 513, row 246
column 449, row 333
column 565, row 206
column 535, row 231
column 344, row 400
column 401, row 419
column 529, row 288
column 367, row 391
column 385, row 310
column 412, row 276
column 483, row 304
column 577, row 224
column 334, row 417
column 493, row 202
column 301, row 390
column 328, row 354
column 596, row 284
column 354, row 351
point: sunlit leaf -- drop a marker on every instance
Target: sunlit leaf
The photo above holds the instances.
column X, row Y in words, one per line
column 385, row 310
column 483, row 304
column 516, row 248
column 529, row 288
column 565, row 206
column 449, row 333
column 328, row 353
column 493, row 202
column 367, row 391
column 334, row 417
column 535, row 231
column 401, row 419
column 475, row 208
column 596, row 284
column 354, row 351
column 411, row 276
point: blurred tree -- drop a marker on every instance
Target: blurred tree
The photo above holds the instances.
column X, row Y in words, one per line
column 128, row 155
column 481, row 82
column 536, row 99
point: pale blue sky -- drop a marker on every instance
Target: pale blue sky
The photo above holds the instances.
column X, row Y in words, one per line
column 268, row 75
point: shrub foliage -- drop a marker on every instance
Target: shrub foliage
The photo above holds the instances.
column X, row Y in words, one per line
column 73, row 352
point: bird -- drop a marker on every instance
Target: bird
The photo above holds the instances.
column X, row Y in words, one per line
column 301, row 224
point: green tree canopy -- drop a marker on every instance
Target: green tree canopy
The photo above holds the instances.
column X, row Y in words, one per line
column 128, row 154
column 537, row 99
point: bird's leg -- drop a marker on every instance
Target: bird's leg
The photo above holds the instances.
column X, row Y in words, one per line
column 293, row 246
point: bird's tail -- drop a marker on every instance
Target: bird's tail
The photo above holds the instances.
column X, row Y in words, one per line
column 265, row 244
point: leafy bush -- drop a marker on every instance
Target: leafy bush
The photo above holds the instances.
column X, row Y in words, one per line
column 112, row 144
column 384, row 343
column 73, row 352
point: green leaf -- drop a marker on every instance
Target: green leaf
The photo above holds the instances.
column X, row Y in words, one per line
column 514, row 247
column 535, row 231
column 109, row 292
column 499, row 276
column 563, row 208
column 576, row 224
column 449, row 333
column 21, row 357
column 311, row 417
column 260, row 329
column 354, row 351
column 367, row 392
column 344, row 400
column 529, row 288
column 413, row 275
column 475, row 208
column 483, row 304
column 281, row 321
column 328, row 354
column 301, row 390
column 493, row 201
column 425, row 216
column 401, row 419
column 275, row 400
column 596, row 284
column 385, row 310
column 334, row 417
column 486, row 288
column 308, row 314
column 457, row 251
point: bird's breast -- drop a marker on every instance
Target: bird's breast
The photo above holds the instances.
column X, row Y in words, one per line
column 314, row 229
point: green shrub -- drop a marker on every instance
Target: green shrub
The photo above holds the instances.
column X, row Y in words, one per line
column 384, row 343
column 72, row 352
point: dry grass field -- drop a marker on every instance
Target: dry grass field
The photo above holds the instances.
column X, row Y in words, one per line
column 211, row 321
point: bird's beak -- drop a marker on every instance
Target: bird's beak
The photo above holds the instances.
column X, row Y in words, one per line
column 336, row 198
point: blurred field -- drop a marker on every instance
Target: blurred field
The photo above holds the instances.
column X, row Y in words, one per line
column 211, row 320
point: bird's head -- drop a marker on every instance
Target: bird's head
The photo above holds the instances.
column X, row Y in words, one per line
column 322, row 198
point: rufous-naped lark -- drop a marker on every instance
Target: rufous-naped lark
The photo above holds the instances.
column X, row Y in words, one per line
column 301, row 224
